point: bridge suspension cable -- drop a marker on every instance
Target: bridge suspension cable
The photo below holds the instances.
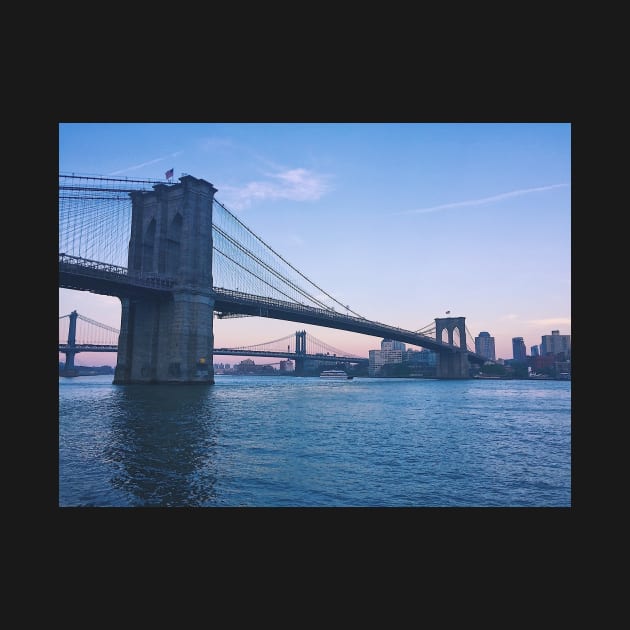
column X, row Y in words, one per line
column 266, row 344
column 263, row 251
column 95, row 224
column 88, row 331
column 95, row 217
column 265, row 266
column 313, row 346
column 428, row 330
column 95, row 323
column 469, row 335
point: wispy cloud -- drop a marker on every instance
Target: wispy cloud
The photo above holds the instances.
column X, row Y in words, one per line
column 144, row 164
column 298, row 184
column 483, row 200
column 551, row 321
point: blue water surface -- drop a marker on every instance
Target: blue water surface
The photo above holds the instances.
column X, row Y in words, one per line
column 283, row 441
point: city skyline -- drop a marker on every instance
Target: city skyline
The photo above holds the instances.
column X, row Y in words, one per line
column 535, row 350
column 401, row 221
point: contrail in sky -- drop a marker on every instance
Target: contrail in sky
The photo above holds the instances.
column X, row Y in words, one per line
column 137, row 166
column 478, row 202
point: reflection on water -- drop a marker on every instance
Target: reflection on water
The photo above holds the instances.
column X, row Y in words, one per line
column 163, row 440
column 161, row 443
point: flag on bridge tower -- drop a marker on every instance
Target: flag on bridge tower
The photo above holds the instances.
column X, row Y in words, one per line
column 169, row 173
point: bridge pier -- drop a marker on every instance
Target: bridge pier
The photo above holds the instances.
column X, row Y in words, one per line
column 452, row 365
column 300, row 348
column 68, row 368
column 170, row 339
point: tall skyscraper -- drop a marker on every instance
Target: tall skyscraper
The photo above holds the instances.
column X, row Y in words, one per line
column 484, row 346
column 533, row 351
column 519, row 352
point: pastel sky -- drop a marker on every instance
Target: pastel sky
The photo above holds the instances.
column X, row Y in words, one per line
column 401, row 221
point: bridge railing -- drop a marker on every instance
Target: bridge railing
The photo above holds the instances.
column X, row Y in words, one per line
column 94, row 268
column 259, row 300
column 88, row 347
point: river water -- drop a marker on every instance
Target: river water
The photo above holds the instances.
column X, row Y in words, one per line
column 282, row 441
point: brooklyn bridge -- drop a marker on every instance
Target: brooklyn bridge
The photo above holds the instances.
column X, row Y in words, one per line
column 176, row 257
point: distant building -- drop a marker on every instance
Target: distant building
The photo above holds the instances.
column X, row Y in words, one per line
column 484, row 346
column 519, row 352
column 287, row 366
column 84, row 370
column 421, row 358
column 421, row 362
column 538, row 363
column 563, row 369
column 245, row 365
column 390, row 344
column 391, row 352
column 317, row 364
column 533, row 351
column 556, row 344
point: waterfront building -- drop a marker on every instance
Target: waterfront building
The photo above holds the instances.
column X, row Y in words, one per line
column 556, row 344
column 391, row 352
column 484, row 345
column 421, row 358
column 287, row 366
column 519, row 352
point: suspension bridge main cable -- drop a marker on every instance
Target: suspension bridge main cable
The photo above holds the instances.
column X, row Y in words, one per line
column 344, row 306
column 91, row 321
column 314, row 341
column 469, row 334
column 264, row 265
column 252, row 273
column 427, row 330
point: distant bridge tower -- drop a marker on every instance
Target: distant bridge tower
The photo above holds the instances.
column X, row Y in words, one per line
column 69, row 369
column 300, row 348
column 170, row 339
column 452, row 365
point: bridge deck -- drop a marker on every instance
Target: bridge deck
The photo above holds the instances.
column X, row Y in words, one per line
column 86, row 275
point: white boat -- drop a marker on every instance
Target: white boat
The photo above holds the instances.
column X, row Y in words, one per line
column 335, row 374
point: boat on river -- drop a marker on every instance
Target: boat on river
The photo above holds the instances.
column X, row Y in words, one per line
column 335, row 375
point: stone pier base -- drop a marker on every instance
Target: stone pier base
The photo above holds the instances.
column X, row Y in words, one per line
column 166, row 341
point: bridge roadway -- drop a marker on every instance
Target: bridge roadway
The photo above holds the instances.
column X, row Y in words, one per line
column 87, row 275
column 87, row 347
column 242, row 352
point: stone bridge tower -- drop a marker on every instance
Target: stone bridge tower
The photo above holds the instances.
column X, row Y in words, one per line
column 169, row 338
column 455, row 364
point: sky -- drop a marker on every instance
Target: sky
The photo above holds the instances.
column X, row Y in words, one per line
column 401, row 221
